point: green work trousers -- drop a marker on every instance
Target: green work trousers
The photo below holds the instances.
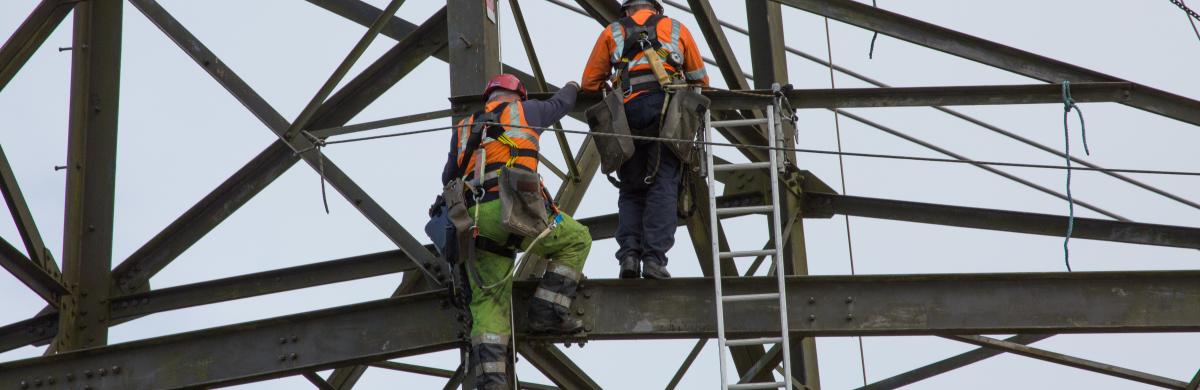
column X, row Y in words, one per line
column 567, row 244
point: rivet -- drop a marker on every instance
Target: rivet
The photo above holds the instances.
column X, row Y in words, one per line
column 849, row 299
column 37, row 382
column 87, row 373
column 50, row 380
column 24, row 385
column 70, row 377
column 812, row 300
column 579, row 311
column 294, row 356
column 282, row 358
column 283, row 340
column 102, row 371
column 116, row 370
column 294, row 339
column 812, row 317
column 849, row 317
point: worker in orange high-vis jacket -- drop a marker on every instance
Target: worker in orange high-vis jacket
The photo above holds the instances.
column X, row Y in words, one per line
column 649, row 181
column 512, row 141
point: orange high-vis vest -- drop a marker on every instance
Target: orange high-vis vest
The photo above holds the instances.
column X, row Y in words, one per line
column 499, row 152
column 610, row 46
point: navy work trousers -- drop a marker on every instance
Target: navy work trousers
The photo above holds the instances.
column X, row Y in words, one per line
column 649, row 190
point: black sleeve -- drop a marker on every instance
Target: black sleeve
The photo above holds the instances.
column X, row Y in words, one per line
column 543, row 113
column 451, row 160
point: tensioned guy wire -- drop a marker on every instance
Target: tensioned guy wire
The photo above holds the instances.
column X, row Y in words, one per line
column 837, row 125
column 777, row 148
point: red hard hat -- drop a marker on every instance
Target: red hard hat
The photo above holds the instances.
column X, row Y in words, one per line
column 506, row 81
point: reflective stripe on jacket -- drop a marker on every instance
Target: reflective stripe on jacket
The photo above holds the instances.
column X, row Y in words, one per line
column 674, row 37
column 497, row 153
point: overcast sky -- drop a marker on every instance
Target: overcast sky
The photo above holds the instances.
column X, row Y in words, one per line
column 181, row 135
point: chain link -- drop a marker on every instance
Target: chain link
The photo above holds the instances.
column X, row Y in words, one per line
column 1184, row 7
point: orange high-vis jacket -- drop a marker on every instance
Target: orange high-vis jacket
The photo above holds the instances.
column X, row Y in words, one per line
column 496, row 153
column 670, row 32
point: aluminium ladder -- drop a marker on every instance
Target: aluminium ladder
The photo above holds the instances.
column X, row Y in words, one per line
column 715, row 213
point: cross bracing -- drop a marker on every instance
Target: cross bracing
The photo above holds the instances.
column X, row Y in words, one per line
column 932, row 305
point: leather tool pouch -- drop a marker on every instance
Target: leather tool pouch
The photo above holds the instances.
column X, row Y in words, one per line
column 454, row 194
column 608, row 117
column 683, row 119
column 522, row 207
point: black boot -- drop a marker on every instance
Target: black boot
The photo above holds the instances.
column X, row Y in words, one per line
column 489, row 361
column 655, row 269
column 630, row 267
column 550, row 309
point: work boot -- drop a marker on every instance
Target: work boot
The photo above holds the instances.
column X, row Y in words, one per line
column 630, row 267
column 489, row 361
column 655, row 269
column 550, row 309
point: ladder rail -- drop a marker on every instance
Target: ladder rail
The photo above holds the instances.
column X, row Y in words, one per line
column 776, row 230
column 716, row 250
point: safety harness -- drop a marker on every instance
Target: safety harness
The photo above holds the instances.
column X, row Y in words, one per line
column 633, row 39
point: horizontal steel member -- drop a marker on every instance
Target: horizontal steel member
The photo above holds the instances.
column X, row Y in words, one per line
column 881, row 97
column 953, row 304
column 740, row 122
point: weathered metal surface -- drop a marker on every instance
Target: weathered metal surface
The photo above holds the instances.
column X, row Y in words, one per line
column 826, row 205
column 948, row 364
column 963, row 95
column 1085, row 302
column 37, row 279
column 550, row 361
column 1071, row 361
column 30, row 35
column 768, row 58
column 91, row 174
column 41, row 327
column 27, row 227
column 992, row 53
column 415, row 369
column 253, row 351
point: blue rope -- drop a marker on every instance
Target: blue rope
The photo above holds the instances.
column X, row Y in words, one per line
column 1068, row 104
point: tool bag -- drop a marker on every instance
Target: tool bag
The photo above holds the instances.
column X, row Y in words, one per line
column 608, row 117
column 683, row 119
column 522, row 204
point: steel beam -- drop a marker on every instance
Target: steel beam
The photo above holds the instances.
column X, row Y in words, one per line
column 887, row 97
column 531, row 53
column 34, row 277
column 276, row 159
column 604, row 11
column 317, row 381
column 722, row 54
column 261, row 283
column 768, row 58
column 826, row 205
column 30, row 35
column 91, row 174
column 949, row 364
column 559, row 368
column 430, row 371
column 257, row 350
column 306, row 115
column 1082, row 302
column 41, row 327
column 26, row 226
column 1071, row 361
column 992, row 53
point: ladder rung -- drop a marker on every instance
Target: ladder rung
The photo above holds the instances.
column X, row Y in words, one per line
column 750, row 297
column 761, row 385
column 739, row 122
column 744, row 210
column 757, row 341
column 742, row 166
column 755, row 253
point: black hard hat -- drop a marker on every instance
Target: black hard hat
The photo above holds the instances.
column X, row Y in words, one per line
column 657, row 5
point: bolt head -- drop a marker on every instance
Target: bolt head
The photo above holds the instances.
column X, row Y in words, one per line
column 24, row 385
column 116, row 369
column 102, row 371
column 294, row 339
column 812, row 300
column 282, row 358
column 812, row 317
column 849, row 317
column 50, row 380
column 87, row 373
column 294, row 356
column 849, row 299
column 70, row 377
column 283, row 340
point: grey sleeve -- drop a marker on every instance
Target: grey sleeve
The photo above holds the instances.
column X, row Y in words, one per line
column 543, row 113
